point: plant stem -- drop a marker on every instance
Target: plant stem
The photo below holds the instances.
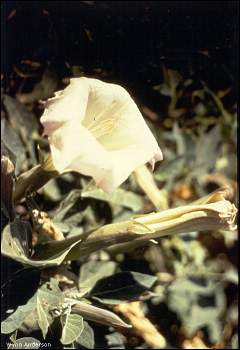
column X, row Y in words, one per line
column 147, row 183
column 34, row 179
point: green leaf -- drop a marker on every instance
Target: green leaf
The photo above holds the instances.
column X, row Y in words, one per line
column 20, row 116
column 171, row 169
column 86, row 338
column 42, row 90
column 93, row 271
column 56, row 251
column 25, row 343
column 74, row 212
column 207, row 151
column 76, row 220
column 115, row 340
column 119, row 197
column 15, row 244
column 24, row 122
column 16, row 319
column 202, row 317
column 179, row 139
column 13, row 144
column 50, row 294
column 66, row 205
column 49, row 297
column 199, row 303
column 42, row 317
column 121, row 287
column 72, row 327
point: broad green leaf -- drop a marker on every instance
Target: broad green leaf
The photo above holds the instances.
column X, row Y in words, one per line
column 50, row 294
column 192, row 285
column 15, row 244
column 43, row 89
column 72, row 327
column 20, row 116
column 76, row 219
column 122, row 287
column 198, row 305
column 13, row 144
column 179, row 139
column 93, row 271
column 115, row 340
column 58, row 250
column 121, row 215
column 30, row 323
column 75, row 214
column 86, row 338
column 24, row 122
column 42, row 317
column 207, row 151
column 49, row 297
column 119, row 197
column 202, row 317
column 16, row 319
column 171, row 169
column 66, row 207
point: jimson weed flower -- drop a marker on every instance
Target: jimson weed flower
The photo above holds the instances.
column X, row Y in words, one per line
column 96, row 129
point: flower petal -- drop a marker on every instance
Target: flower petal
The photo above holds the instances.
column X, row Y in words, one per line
column 111, row 102
column 67, row 105
column 124, row 162
column 73, row 147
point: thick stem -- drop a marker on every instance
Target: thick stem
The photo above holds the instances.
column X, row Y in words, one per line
column 146, row 181
column 32, row 180
column 104, row 237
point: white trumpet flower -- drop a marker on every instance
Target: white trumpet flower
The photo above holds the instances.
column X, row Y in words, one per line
column 96, row 129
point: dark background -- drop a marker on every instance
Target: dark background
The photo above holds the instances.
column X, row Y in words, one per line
column 129, row 39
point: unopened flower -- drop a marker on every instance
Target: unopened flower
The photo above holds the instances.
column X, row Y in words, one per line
column 96, row 129
column 212, row 212
column 219, row 215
